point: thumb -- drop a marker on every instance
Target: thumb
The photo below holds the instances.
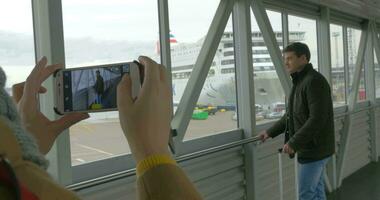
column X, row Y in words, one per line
column 42, row 90
column 124, row 93
column 17, row 91
column 68, row 120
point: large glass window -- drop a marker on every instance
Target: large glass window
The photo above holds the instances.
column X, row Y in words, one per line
column 103, row 32
column 16, row 41
column 269, row 94
column 377, row 75
column 308, row 29
column 353, row 40
column 215, row 110
column 337, row 65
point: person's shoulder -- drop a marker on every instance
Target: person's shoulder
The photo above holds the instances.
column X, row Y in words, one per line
column 315, row 76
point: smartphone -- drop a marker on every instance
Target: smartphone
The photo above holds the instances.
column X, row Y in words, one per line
column 92, row 88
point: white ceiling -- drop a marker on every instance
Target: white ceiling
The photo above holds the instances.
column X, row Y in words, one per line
column 369, row 9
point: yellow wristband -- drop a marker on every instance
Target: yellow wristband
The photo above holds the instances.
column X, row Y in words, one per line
column 152, row 161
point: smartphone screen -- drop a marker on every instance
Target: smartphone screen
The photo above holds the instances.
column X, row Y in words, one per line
column 93, row 88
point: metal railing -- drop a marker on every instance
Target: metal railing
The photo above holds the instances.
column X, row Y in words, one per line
column 132, row 172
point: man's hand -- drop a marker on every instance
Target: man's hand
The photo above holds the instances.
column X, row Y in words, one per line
column 146, row 120
column 287, row 149
column 263, row 136
column 25, row 95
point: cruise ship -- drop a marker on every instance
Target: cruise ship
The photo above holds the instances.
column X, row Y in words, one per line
column 219, row 88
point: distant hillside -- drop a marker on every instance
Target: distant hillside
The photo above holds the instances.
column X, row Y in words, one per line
column 17, row 49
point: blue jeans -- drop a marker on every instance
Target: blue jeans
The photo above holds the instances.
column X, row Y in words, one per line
column 311, row 180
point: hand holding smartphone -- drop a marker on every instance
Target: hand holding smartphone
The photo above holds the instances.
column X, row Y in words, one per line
column 92, row 88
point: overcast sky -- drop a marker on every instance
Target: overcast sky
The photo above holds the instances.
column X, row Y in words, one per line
column 137, row 20
column 131, row 20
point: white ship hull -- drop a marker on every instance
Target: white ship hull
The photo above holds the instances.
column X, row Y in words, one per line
column 221, row 90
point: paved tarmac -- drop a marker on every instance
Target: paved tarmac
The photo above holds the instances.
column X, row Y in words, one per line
column 103, row 138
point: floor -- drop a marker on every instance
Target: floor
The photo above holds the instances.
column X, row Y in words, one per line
column 362, row 185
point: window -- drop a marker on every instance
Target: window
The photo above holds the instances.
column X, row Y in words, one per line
column 268, row 90
column 338, row 85
column 228, row 62
column 228, row 53
column 228, row 45
column 353, row 39
column 16, row 41
column 377, row 75
column 98, row 33
column 265, row 52
column 260, row 44
column 228, row 70
column 305, row 30
column 217, row 100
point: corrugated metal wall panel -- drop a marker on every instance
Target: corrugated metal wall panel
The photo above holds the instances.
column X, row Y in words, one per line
column 218, row 176
column 338, row 125
column 377, row 114
column 269, row 171
column 213, row 165
column 117, row 190
column 224, row 179
column 221, row 175
column 359, row 144
column 230, row 192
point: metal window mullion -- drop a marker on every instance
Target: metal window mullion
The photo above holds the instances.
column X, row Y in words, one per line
column 49, row 42
column 324, row 49
column 347, row 128
column 376, row 43
column 271, row 42
column 371, row 89
column 245, row 90
column 163, row 21
column 346, row 64
column 201, row 68
column 324, row 56
column 164, row 42
column 285, row 28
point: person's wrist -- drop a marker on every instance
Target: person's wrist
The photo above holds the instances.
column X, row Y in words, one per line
column 142, row 153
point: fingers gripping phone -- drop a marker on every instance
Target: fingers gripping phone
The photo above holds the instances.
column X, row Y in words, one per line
column 92, row 88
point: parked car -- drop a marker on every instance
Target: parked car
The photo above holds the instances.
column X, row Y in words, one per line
column 259, row 116
column 275, row 115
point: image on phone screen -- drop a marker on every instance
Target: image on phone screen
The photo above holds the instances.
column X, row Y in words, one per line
column 93, row 88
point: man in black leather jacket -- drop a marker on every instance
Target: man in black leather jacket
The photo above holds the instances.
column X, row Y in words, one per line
column 308, row 123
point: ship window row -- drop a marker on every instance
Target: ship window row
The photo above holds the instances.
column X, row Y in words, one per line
column 185, row 67
column 228, row 71
column 259, row 34
column 186, row 75
column 260, row 51
column 228, row 62
column 256, row 52
column 181, row 75
column 254, row 44
column 256, row 60
column 256, row 34
column 256, row 68
column 228, row 53
column 260, row 60
column 263, row 68
column 186, row 52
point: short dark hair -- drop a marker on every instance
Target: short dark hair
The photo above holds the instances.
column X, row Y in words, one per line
column 299, row 49
column 97, row 71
